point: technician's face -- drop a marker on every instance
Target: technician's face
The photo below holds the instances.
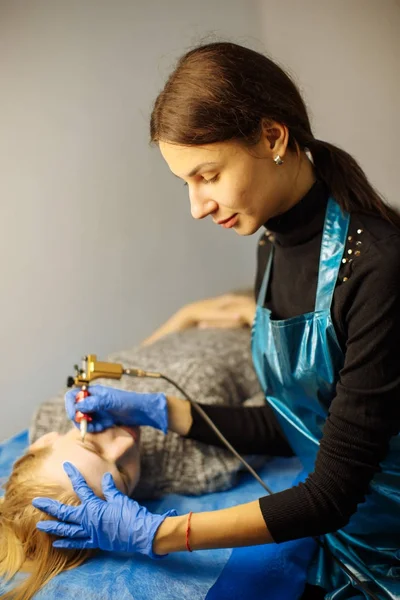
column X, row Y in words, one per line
column 114, row 450
column 242, row 185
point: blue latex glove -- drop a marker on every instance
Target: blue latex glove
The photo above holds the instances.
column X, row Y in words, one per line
column 111, row 406
column 117, row 524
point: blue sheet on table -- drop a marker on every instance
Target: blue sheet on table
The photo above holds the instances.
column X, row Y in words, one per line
column 212, row 574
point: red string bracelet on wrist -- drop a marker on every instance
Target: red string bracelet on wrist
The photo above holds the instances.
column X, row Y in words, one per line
column 188, row 533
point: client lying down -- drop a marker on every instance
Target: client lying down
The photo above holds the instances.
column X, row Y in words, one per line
column 213, row 365
column 22, row 546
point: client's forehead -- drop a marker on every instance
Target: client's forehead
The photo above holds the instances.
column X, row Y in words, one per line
column 89, row 464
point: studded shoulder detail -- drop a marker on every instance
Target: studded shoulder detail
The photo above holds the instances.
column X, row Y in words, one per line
column 352, row 252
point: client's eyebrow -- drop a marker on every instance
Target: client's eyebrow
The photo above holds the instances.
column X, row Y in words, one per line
column 95, row 450
column 99, row 454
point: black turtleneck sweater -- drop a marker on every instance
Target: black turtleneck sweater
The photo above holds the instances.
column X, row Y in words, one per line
column 365, row 412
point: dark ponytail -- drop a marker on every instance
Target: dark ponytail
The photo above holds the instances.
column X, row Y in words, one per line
column 222, row 91
column 348, row 183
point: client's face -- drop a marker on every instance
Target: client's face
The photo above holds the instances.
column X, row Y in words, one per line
column 114, row 450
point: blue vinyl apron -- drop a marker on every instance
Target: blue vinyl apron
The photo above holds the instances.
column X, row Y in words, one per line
column 297, row 361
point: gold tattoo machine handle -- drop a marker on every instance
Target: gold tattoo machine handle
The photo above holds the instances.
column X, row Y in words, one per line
column 92, row 369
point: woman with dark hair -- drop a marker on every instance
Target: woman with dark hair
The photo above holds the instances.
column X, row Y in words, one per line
column 233, row 126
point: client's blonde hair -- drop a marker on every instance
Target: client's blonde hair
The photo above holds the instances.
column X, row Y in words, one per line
column 22, row 546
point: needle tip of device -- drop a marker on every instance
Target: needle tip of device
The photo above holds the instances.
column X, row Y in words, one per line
column 83, row 429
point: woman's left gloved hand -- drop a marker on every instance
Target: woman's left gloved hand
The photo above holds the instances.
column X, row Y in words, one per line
column 117, row 524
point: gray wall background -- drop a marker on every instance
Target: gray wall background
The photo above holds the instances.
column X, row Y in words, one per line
column 97, row 244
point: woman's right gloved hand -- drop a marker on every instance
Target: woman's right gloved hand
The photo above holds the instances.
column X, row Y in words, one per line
column 109, row 406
